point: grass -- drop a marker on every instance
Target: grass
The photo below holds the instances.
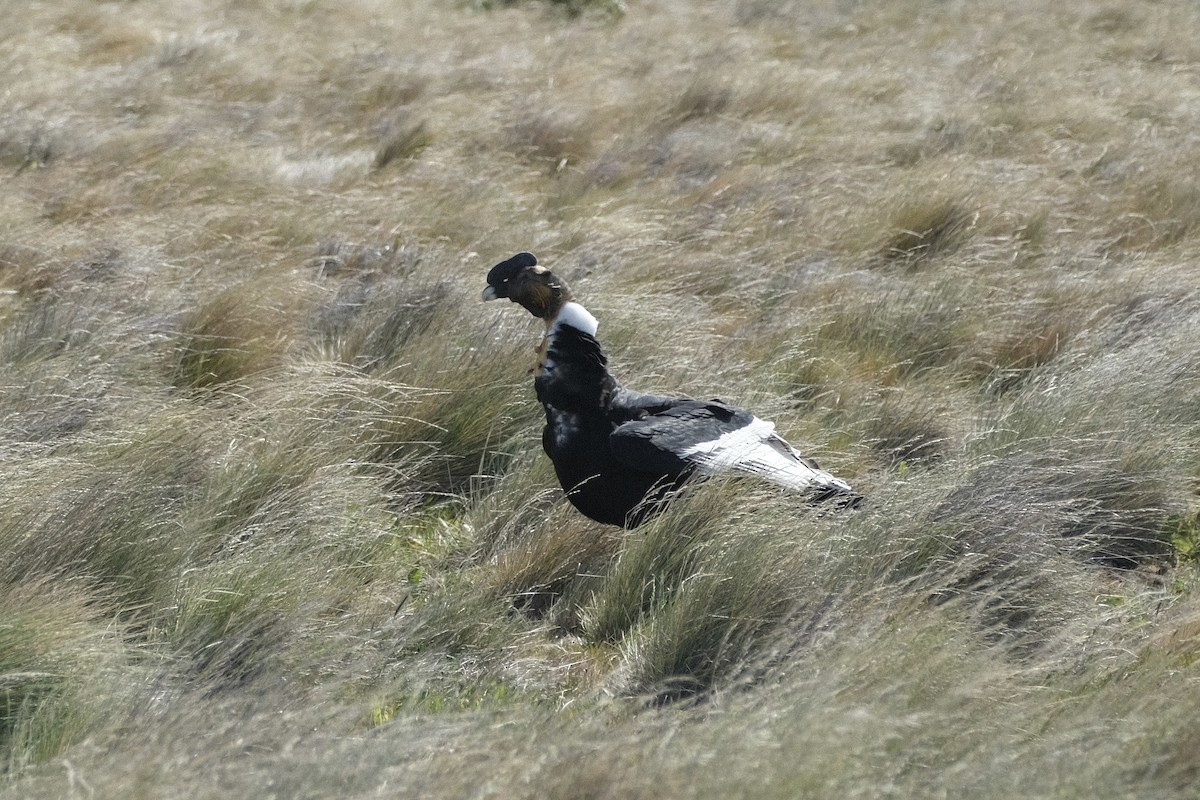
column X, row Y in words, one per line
column 274, row 516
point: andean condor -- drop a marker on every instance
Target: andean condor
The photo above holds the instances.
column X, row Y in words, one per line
column 617, row 452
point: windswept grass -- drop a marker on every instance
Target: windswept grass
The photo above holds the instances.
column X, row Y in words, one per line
column 274, row 516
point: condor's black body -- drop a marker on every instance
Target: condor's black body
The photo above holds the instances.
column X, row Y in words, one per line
column 617, row 452
column 585, row 410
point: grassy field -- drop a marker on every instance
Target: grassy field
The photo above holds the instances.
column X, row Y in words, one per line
column 274, row 516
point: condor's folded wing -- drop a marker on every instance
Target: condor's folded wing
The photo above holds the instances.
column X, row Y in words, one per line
column 710, row 437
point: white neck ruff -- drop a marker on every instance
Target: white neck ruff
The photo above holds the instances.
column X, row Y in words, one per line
column 577, row 317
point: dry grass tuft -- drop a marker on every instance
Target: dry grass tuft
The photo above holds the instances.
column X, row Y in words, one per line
column 402, row 141
column 548, row 138
column 908, row 436
column 926, row 229
column 229, row 338
column 59, row 660
column 1161, row 213
column 1023, row 353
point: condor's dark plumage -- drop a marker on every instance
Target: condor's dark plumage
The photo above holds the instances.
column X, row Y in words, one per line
column 617, row 452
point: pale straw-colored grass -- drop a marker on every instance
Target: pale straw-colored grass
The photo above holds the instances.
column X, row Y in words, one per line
column 274, row 516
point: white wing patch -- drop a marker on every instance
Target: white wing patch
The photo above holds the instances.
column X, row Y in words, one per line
column 756, row 449
column 728, row 449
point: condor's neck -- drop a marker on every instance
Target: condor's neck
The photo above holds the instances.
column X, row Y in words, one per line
column 569, row 315
column 571, row 373
column 574, row 315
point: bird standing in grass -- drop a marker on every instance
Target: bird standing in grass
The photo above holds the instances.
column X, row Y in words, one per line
column 617, row 452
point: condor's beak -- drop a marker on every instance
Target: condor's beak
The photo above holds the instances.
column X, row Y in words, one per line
column 490, row 293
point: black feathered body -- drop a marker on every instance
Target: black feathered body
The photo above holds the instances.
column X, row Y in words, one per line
column 584, row 407
column 617, row 452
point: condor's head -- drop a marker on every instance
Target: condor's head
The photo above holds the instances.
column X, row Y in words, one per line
column 538, row 290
